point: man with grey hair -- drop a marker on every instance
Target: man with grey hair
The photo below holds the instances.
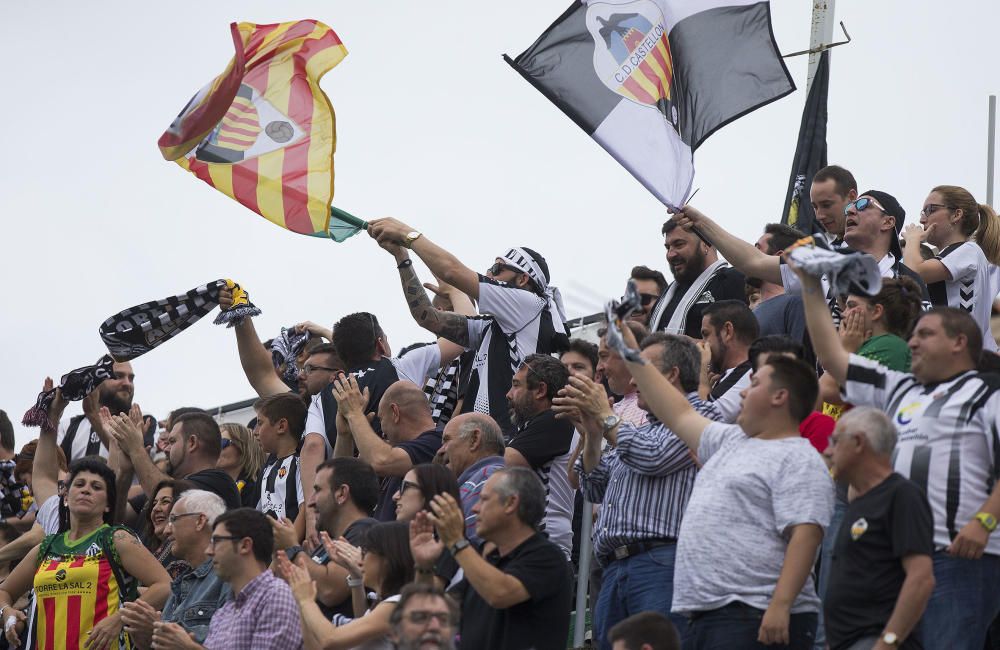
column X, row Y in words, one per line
column 646, row 480
column 472, row 447
column 882, row 574
column 518, row 595
column 197, row 593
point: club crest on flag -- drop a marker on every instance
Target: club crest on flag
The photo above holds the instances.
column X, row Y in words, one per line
column 632, row 53
column 252, row 127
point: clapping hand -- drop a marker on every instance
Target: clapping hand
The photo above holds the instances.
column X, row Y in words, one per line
column 423, row 546
column 344, row 554
column 295, row 574
column 350, row 400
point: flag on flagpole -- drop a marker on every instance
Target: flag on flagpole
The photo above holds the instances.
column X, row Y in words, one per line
column 650, row 80
column 810, row 152
column 263, row 132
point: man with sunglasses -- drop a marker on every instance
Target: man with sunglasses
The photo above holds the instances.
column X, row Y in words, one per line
column 872, row 224
column 650, row 284
column 521, row 313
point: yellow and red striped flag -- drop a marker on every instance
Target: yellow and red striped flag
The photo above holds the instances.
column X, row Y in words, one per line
column 263, row 132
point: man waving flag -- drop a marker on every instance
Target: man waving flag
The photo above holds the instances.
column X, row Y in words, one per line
column 263, row 132
column 650, row 80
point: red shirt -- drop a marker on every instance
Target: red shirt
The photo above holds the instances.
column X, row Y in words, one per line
column 817, row 428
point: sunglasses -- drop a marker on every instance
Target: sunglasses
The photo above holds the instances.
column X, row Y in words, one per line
column 647, row 298
column 226, row 442
column 497, row 268
column 862, row 204
column 406, row 485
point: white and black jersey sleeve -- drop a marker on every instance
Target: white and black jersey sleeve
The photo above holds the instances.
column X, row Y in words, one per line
column 870, row 383
column 510, row 307
column 418, row 363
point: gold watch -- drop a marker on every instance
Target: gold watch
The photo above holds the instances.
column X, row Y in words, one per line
column 411, row 237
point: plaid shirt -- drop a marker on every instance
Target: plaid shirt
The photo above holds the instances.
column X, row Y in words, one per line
column 263, row 615
column 644, row 483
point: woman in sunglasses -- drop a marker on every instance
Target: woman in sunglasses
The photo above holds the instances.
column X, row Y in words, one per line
column 964, row 273
column 419, row 486
column 384, row 567
column 242, row 458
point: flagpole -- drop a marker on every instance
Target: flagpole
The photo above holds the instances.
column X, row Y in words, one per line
column 991, row 138
column 820, row 35
column 583, row 574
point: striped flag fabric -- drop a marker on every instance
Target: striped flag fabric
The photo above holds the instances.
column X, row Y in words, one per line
column 810, row 152
column 650, row 80
column 263, row 132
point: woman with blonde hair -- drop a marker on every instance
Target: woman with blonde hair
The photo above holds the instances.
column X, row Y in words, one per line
column 242, row 458
column 964, row 273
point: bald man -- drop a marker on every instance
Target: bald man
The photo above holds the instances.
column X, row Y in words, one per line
column 410, row 436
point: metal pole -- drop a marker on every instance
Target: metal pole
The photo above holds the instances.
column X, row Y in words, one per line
column 991, row 149
column 583, row 574
column 820, row 34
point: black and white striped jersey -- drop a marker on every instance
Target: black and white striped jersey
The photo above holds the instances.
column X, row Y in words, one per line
column 948, row 437
column 973, row 286
column 280, row 487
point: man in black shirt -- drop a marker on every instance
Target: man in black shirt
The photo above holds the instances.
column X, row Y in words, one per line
column 344, row 496
column 411, row 437
column 541, row 442
column 700, row 278
column 882, row 573
column 518, row 596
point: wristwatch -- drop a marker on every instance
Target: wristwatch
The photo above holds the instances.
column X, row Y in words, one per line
column 988, row 521
column 610, row 423
column 890, row 638
column 292, row 551
column 458, row 546
column 410, row 237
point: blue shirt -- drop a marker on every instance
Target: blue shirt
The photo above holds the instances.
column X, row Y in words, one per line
column 194, row 597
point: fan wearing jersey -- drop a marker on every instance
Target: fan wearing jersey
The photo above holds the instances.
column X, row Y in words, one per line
column 964, row 273
column 280, row 421
column 364, row 349
column 83, row 435
column 946, row 413
column 521, row 313
column 81, row 576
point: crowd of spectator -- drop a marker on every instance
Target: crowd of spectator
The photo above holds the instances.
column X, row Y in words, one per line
column 766, row 462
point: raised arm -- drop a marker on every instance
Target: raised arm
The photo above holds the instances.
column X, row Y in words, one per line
column 254, row 357
column 442, row 264
column 931, row 270
column 129, row 438
column 824, row 336
column 744, row 256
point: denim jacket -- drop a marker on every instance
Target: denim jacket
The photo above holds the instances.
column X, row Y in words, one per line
column 194, row 597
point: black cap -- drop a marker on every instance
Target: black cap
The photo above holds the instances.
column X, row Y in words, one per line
column 893, row 209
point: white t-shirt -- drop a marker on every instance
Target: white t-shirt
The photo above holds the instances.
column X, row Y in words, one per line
column 735, row 530
column 48, row 515
column 561, row 501
column 946, row 437
column 973, row 286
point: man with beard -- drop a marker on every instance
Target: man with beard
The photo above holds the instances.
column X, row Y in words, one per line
column 424, row 619
column 84, row 435
column 344, row 496
column 543, row 443
column 729, row 327
column 700, row 278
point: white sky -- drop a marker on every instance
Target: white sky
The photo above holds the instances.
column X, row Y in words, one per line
column 434, row 129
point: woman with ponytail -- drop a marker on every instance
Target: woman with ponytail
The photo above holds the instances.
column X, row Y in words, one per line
column 964, row 273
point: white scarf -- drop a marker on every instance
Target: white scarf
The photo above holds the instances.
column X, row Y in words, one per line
column 676, row 325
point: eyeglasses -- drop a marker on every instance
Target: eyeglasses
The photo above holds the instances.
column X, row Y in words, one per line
column 226, row 442
column 498, row 267
column 931, row 208
column 172, row 519
column 406, row 485
column 311, row 368
column 648, row 298
column 215, row 539
column 863, row 203
column 421, row 617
